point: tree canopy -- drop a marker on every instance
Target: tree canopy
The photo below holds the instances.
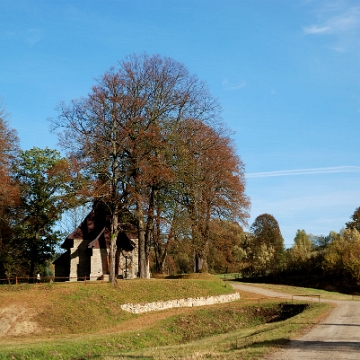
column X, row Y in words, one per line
column 149, row 133
column 268, row 243
column 46, row 191
column 265, row 229
column 9, row 149
column 355, row 223
column 149, row 145
column 9, row 195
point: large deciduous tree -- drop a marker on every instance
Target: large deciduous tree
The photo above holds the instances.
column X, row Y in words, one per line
column 46, row 190
column 302, row 241
column 9, row 149
column 355, row 223
column 342, row 258
column 211, row 183
column 298, row 255
column 226, row 247
column 267, row 234
column 121, row 132
column 9, row 196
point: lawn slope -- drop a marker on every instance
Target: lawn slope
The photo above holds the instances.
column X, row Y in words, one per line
column 81, row 321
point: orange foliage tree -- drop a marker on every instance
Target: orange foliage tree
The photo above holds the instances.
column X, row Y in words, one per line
column 122, row 137
column 211, row 183
column 9, row 149
column 9, row 195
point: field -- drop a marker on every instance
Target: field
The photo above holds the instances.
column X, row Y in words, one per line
column 84, row 321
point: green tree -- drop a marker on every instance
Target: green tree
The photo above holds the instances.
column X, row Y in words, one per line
column 341, row 259
column 46, row 190
column 355, row 223
column 302, row 241
column 300, row 252
column 268, row 238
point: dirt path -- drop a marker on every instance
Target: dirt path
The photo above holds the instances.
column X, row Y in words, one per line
column 337, row 337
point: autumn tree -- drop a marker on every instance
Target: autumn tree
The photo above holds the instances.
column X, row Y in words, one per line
column 120, row 134
column 170, row 225
column 355, row 223
column 299, row 254
column 342, row 258
column 302, row 242
column 268, row 238
column 46, row 190
column 9, row 196
column 211, row 182
column 226, row 240
column 9, row 149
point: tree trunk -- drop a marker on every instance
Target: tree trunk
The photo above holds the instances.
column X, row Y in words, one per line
column 199, row 263
column 149, row 234
column 113, row 247
column 144, row 272
column 34, row 251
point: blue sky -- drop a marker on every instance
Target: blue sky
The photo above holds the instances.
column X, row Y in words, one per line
column 287, row 74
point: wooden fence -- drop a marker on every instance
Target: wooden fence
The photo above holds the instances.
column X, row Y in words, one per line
column 45, row 279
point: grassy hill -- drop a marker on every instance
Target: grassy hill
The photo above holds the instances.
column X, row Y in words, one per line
column 70, row 308
column 78, row 321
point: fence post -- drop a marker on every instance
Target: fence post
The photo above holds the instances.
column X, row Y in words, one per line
column 16, row 280
column 85, row 280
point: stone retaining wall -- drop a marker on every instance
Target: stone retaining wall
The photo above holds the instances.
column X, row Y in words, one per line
column 189, row 302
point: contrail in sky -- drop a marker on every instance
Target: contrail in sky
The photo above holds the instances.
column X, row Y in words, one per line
column 314, row 171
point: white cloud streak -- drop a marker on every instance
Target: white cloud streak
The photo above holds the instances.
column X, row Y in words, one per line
column 343, row 23
column 313, row 171
column 233, row 86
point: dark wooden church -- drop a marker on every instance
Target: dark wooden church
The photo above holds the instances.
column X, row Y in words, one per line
column 87, row 250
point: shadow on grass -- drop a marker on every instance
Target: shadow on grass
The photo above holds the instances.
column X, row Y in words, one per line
column 112, row 356
column 305, row 346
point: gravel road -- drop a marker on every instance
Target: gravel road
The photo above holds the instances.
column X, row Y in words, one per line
column 337, row 337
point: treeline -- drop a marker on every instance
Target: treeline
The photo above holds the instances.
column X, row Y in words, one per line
column 233, row 250
column 330, row 262
column 147, row 142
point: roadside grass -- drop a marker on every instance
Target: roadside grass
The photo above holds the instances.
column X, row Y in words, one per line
column 250, row 342
column 294, row 290
column 85, row 322
column 229, row 276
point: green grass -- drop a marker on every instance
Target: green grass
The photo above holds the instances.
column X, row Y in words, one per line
column 86, row 322
column 229, row 276
column 70, row 308
column 220, row 332
column 253, row 340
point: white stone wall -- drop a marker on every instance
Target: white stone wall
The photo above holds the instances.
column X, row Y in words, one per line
column 190, row 302
column 96, row 265
column 74, row 260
